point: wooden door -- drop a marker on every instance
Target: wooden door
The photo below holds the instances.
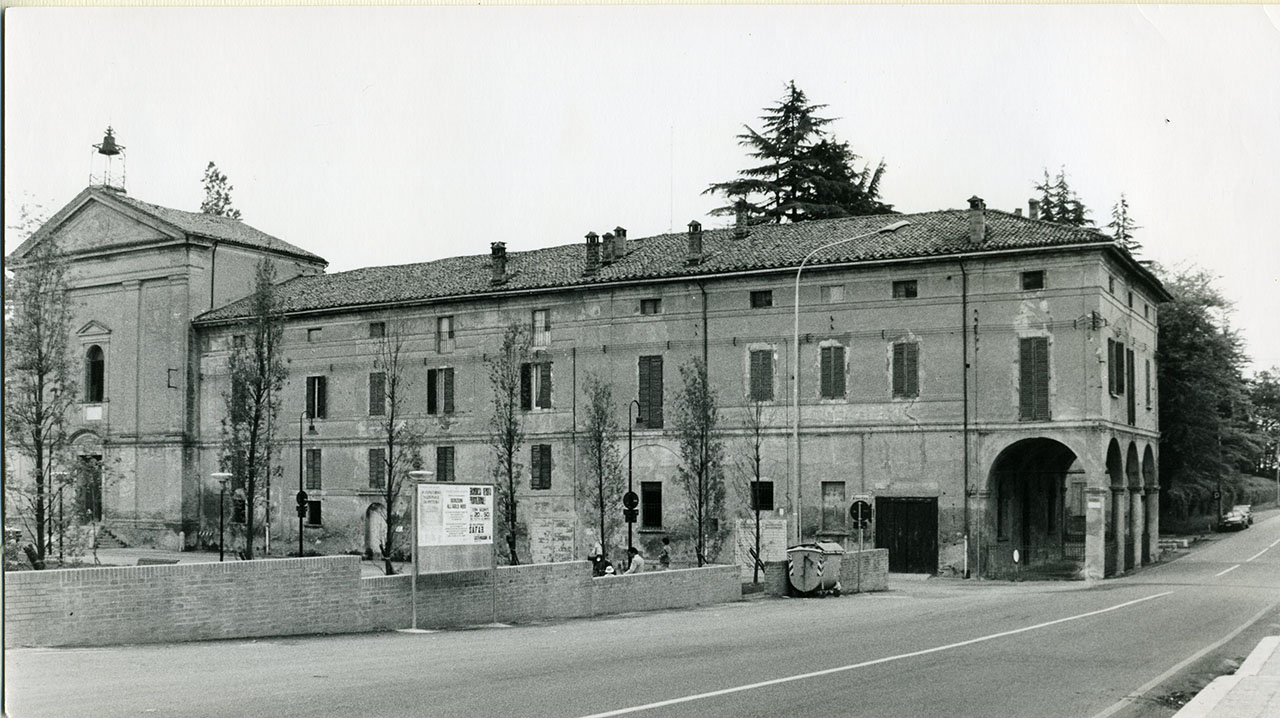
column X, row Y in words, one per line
column 908, row 527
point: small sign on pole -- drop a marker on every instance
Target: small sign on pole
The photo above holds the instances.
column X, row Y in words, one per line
column 860, row 512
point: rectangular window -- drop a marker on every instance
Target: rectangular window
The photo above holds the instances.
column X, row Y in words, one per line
column 831, row 293
column 762, row 496
column 650, row 306
column 1131, row 300
column 377, row 393
column 1116, row 367
column 444, row 334
column 1033, row 280
column 541, row 327
column 1133, row 388
column 1147, row 375
column 832, row 369
column 535, row 385
column 237, row 341
column 1120, row 373
column 650, row 392
column 761, row 375
column 377, row 330
column 377, row 468
column 540, row 466
column 762, row 299
column 904, row 289
column 906, row 369
column 833, row 507
column 1146, row 310
column 1111, row 284
column 313, row 514
column 1033, row 379
column 1111, row 366
column 313, row 335
column 650, row 504
column 317, row 397
column 313, row 470
column 444, row 463
column 440, row 391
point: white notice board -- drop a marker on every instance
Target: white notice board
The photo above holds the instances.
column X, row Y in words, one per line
column 455, row 514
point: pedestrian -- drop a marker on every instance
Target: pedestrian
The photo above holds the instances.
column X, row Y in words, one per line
column 664, row 558
column 637, row 561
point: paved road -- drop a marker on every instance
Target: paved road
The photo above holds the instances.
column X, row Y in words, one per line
column 935, row 648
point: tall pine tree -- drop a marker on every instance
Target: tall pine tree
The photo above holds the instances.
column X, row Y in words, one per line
column 217, row 194
column 804, row 173
column 1059, row 203
column 1122, row 226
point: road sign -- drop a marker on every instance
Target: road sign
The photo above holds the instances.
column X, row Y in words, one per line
column 630, row 515
column 860, row 510
column 630, row 500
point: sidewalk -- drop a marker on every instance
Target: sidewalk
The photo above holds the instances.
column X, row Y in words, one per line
column 1252, row 691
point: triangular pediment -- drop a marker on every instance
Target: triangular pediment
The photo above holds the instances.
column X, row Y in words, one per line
column 93, row 328
column 94, row 220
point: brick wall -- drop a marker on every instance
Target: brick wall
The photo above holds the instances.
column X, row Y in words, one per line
column 242, row 599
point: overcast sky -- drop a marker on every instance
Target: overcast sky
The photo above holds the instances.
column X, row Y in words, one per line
column 392, row 135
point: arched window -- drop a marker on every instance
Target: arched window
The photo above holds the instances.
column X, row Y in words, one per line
column 95, row 371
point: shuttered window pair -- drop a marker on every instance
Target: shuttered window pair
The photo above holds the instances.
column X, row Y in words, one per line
column 650, row 392
column 540, row 466
column 440, row 391
column 377, row 393
column 317, row 397
column 1116, row 367
column 444, row 463
column 535, row 385
column 313, row 470
column 832, row 370
column 377, row 468
column 906, row 370
column 1033, row 384
column 761, row 375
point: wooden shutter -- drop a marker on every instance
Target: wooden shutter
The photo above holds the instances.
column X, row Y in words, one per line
column 433, row 391
column 535, row 466
column 1133, row 393
column 1033, row 381
column 311, row 396
column 655, row 392
column 444, row 463
column 832, row 370
column 1111, row 366
column 377, row 468
column 446, row 379
column 322, row 397
column 762, row 375
column 899, row 380
column 544, row 385
column 1119, row 363
column 377, row 394
column 913, row 369
column 526, row 386
column 643, row 390
column 1040, row 370
column 906, row 360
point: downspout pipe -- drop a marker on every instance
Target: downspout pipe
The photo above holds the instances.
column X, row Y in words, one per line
column 964, row 390
column 213, row 270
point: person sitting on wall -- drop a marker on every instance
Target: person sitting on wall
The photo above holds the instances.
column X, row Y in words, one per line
column 664, row 558
column 637, row 561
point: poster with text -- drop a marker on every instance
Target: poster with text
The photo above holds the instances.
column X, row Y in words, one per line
column 455, row 514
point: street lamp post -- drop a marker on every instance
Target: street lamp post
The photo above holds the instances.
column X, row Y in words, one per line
column 795, row 367
column 418, row 476
column 302, row 494
column 630, row 491
column 61, row 477
column 221, row 477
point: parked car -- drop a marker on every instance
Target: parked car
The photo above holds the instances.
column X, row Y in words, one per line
column 1233, row 519
column 1245, row 509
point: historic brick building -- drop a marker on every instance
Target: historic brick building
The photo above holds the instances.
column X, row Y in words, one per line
column 985, row 378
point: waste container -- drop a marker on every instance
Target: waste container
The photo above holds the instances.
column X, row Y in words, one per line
column 814, row 568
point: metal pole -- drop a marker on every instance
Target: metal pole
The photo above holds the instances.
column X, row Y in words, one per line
column 630, row 424
column 859, row 587
column 222, row 501
column 413, row 578
column 301, row 492
column 62, row 525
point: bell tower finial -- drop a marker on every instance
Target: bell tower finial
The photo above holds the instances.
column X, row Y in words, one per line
column 103, row 171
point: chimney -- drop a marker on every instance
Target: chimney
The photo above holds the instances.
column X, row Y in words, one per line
column 1017, row 211
column 609, row 249
column 740, row 230
column 620, row 236
column 1033, row 208
column 593, row 253
column 694, row 253
column 977, row 220
column 498, row 261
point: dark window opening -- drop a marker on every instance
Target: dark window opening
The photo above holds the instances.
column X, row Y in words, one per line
column 540, row 466
column 650, row 504
column 832, row 369
column 535, row 386
column 650, row 392
column 1033, row 280
column 313, row 514
column 761, row 375
column 95, row 374
column 905, row 289
column 377, row 393
column 377, row 468
column 440, row 391
column 444, row 463
column 762, row 299
column 313, row 335
column 317, row 397
column 650, row 306
column 762, row 496
column 377, row 330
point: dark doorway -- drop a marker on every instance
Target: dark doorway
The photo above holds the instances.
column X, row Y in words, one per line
column 908, row 527
column 89, row 487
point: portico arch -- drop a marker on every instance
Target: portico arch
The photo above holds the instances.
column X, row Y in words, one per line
column 1150, row 506
column 1133, row 503
column 375, row 530
column 1034, row 509
column 1114, row 510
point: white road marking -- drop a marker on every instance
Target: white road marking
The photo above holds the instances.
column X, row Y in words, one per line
column 1151, row 684
column 864, row 664
column 1247, row 560
column 1226, row 571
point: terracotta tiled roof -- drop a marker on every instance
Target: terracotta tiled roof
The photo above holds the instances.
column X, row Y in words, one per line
column 930, row 234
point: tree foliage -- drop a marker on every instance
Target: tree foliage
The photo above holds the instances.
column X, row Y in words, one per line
column 701, row 472
column 803, row 172
column 1059, row 203
column 256, row 373
column 1264, row 402
column 600, row 489
column 217, row 194
column 40, row 387
column 506, row 429
column 749, row 464
column 1122, row 226
column 1203, row 415
column 400, row 436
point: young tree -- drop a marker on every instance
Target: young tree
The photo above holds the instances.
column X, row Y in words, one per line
column 601, row 489
column 257, row 374
column 1122, row 226
column 804, row 174
column 749, row 466
column 217, row 194
column 1059, row 203
column 506, row 428
column 39, row 384
column 702, row 458
column 401, row 437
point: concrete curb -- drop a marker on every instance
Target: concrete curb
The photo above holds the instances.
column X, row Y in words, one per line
column 1253, row 690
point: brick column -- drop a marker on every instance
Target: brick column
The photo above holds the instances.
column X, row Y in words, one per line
column 1095, row 532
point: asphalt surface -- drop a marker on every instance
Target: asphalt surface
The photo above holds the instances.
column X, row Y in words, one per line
column 927, row 648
